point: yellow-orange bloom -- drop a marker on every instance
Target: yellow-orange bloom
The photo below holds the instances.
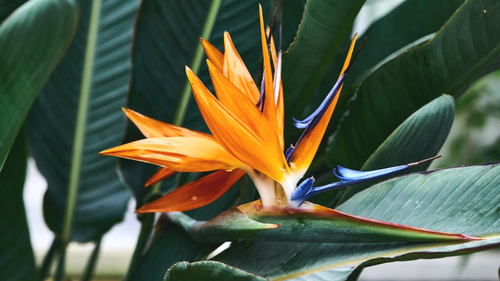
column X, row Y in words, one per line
column 247, row 135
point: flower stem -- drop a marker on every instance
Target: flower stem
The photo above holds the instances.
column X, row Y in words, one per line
column 47, row 260
column 90, row 268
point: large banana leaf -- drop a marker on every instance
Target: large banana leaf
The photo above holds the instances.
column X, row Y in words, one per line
column 77, row 115
column 463, row 200
column 466, row 48
column 17, row 262
column 409, row 21
column 32, row 41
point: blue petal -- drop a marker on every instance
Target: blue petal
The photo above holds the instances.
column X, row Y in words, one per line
column 318, row 113
column 288, row 153
column 347, row 178
column 303, row 189
column 311, row 121
column 348, row 175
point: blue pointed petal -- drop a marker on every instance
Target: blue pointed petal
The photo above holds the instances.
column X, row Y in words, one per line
column 348, row 175
column 303, row 188
column 347, row 178
column 288, row 153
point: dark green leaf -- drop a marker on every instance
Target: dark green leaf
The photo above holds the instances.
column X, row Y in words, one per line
column 101, row 199
column 180, row 246
column 463, row 50
column 32, row 41
column 419, row 137
column 463, row 200
column 207, row 270
column 323, row 29
column 8, row 6
column 17, row 262
column 408, row 22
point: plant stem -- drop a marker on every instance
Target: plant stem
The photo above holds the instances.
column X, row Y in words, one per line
column 90, row 268
column 80, row 124
column 47, row 260
column 195, row 65
column 59, row 274
column 146, row 229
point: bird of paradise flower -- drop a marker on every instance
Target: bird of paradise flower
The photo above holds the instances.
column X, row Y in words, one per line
column 247, row 137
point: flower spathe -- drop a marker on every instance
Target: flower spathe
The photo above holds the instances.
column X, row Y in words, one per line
column 246, row 138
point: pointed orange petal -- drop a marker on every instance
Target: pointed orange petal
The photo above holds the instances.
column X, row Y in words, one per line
column 306, row 150
column 182, row 154
column 245, row 110
column 196, row 194
column 233, row 134
column 213, row 54
column 152, row 128
column 162, row 174
column 236, row 71
column 269, row 106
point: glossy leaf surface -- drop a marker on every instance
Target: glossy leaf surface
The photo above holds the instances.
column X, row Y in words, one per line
column 466, row 48
column 55, row 133
column 32, row 41
column 460, row 200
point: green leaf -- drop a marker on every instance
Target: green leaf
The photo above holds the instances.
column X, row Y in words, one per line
column 463, row 200
column 466, row 48
column 170, row 245
column 17, row 261
column 419, row 137
column 8, row 6
column 77, row 115
column 33, row 40
column 180, row 246
column 324, row 27
column 409, row 21
column 309, row 223
column 207, row 270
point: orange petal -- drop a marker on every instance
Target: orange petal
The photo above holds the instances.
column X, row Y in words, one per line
column 269, row 106
column 152, row 128
column 196, row 194
column 162, row 174
column 245, row 110
column 213, row 54
column 182, row 154
column 306, row 150
column 236, row 71
column 234, row 135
